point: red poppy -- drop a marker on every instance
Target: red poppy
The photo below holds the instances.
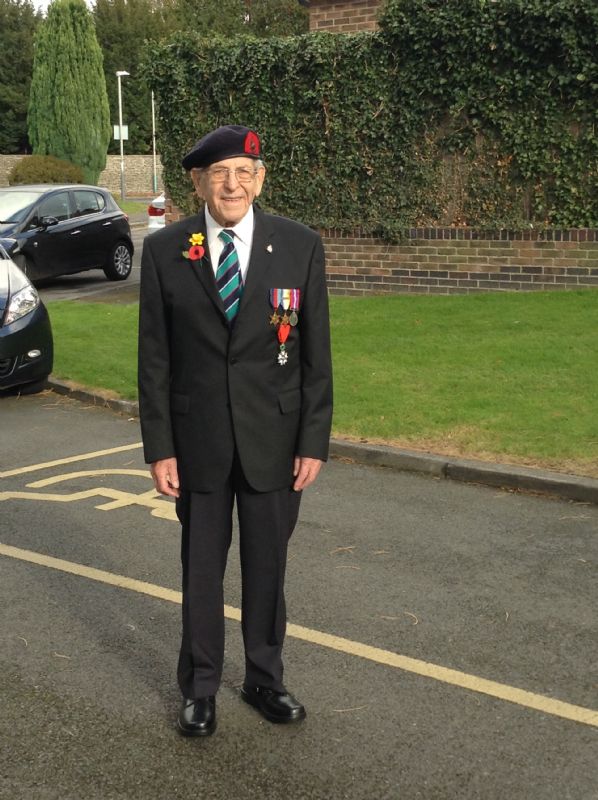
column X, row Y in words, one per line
column 195, row 253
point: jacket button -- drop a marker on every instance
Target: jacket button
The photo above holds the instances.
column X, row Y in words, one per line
column 233, row 360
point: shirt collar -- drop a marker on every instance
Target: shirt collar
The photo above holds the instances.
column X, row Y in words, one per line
column 243, row 230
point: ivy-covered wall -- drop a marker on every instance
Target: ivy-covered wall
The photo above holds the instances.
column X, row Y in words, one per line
column 457, row 112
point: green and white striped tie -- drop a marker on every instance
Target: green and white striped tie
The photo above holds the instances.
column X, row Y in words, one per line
column 228, row 275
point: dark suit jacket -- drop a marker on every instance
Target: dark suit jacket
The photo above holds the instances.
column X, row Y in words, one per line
column 206, row 388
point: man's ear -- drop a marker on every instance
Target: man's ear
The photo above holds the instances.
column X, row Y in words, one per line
column 261, row 174
column 197, row 178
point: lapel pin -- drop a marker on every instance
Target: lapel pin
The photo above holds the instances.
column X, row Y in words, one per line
column 269, row 248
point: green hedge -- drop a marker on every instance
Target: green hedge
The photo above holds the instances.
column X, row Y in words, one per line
column 44, row 169
column 456, row 112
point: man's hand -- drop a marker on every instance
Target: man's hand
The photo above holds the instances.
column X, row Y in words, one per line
column 305, row 471
column 166, row 476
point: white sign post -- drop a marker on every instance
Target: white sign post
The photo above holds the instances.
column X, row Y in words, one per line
column 122, row 133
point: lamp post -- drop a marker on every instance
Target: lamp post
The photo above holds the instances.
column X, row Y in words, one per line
column 121, row 74
column 155, row 181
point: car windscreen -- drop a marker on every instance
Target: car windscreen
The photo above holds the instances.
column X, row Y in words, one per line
column 14, row 206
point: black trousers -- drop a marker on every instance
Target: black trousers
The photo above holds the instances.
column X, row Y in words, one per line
column 266, row 522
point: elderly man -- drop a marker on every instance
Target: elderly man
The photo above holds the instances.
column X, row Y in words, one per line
column 235, row 394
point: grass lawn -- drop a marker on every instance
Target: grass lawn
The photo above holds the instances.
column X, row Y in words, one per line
column 506, row 376
column 132, row 206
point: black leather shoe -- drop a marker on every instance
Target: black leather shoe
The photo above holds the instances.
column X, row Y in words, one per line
column 198, row 717
column 274, row 706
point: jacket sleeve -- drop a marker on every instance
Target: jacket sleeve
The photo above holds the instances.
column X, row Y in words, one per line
column 154, row 363
column 316, row 362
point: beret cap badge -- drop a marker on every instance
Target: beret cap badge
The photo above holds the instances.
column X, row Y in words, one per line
column 252, row 144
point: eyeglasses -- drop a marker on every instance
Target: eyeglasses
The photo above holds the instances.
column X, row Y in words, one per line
column 242, row 174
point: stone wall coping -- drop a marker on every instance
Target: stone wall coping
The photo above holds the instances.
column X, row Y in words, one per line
column 472, row 234
column 138, row 173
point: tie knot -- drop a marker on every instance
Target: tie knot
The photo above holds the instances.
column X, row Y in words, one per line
column 227, row 236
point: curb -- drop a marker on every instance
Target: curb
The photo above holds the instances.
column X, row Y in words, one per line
column 504, row 476
column 94, row 398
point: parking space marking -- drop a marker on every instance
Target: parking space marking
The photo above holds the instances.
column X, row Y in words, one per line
column 70, row 460
column 86, row 473
column 501, row 691
column 158, row 505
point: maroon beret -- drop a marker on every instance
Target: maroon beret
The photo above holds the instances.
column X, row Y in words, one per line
column 228, row 141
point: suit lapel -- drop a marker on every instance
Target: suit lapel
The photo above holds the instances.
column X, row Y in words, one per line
column 203, row 267
column 260, row 260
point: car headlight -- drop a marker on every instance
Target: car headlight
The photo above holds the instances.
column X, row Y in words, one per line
column 23, row 296
column 21, row 303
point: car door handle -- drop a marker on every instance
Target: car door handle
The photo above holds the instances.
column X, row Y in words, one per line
column 74, row 233
column 105, row 224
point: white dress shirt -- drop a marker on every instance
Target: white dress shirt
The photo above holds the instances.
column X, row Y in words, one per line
column 243, row 231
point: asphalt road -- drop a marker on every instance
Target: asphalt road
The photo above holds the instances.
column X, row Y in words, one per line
column 419, row 610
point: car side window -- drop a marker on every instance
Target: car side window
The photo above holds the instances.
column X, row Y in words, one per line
column 87, row 202
column 57, row 205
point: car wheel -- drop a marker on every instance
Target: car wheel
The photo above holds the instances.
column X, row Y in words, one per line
column 33, row 387
column 120, row 262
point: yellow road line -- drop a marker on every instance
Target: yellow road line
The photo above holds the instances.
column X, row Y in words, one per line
column 70, row 460
column 164, row 509
column 511, row 694
column 89, row 473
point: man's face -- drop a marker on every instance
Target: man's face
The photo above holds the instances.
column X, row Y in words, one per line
column 229, row 194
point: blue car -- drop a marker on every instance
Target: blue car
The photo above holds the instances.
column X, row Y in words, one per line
column 26, row 346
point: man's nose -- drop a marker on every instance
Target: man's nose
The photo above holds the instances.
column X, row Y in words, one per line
column 231, row 179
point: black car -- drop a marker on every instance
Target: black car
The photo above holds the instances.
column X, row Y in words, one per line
column 26, row 349
column 51, row 230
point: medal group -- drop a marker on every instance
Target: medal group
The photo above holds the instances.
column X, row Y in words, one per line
column 285, row 303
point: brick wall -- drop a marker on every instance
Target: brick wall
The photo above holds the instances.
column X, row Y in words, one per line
column 461, row 261
column 344, row 16
column 138, row 174
column 456, row 260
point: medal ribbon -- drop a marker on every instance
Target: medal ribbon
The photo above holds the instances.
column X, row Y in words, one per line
column 289, row 299
column 283, row 333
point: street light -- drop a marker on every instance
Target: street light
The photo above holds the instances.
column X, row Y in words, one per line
column 121, row 74
column 155, row 174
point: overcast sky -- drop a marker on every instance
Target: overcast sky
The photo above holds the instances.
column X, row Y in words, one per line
column 43, row 4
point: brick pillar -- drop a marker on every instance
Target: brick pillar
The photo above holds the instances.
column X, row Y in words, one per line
column 343, row 16
column 172, row 212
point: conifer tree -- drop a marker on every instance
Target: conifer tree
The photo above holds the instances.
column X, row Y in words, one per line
column 68, row 105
